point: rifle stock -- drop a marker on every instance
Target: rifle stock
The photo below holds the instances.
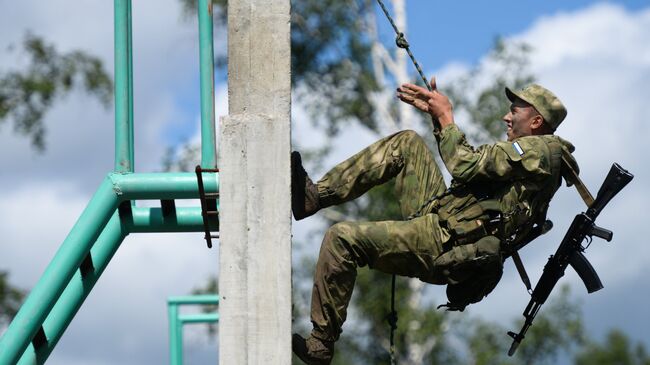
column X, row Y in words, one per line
column 570, row 251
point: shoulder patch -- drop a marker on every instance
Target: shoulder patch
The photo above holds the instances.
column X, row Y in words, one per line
column 518, row 148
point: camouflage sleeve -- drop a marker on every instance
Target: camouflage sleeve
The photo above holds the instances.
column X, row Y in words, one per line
column 524, row 157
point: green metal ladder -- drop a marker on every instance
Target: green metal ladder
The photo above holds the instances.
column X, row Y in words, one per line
column 112, row 214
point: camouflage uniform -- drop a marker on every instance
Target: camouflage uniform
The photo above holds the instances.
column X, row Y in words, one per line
column 517, row 178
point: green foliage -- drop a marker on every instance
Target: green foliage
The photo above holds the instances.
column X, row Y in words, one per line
column 25, row 95
column 368, row 341
column 557, row 328
column 181, row 158
column 617, row 350
column 331, row 62
column 220, row 18
column 219, row 6
column 210, row 287
column 10, row 299
column 486, row 343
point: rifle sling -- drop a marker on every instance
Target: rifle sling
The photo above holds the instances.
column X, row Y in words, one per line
column 571, row 176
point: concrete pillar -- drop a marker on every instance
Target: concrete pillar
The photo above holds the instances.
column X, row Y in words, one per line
column 255, row 204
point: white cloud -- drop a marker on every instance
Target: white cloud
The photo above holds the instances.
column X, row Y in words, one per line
column 603, row 30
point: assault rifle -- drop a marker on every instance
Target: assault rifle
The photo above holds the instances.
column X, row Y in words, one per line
column 571, row 251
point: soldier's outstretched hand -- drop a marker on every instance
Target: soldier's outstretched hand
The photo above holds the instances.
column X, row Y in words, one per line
column 414, row 95
column 432, row 102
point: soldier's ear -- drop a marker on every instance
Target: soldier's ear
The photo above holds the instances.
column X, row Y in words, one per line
column 537, row 122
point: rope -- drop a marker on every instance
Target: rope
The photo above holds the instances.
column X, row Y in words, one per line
column 404, row 44
column 401, row 42
column 392, row 321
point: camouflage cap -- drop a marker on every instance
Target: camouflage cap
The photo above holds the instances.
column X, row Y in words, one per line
column 544, row 101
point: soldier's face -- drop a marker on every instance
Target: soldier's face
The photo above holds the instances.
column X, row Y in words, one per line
column 519, row 120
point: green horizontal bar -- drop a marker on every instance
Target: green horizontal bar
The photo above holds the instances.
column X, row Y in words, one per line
column 152, row 220
column 199, row 318
column 182, row 185
column 194, row 299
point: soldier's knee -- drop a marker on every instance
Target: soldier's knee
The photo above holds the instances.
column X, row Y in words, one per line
column 337, row 239
column 338, row 231
column 410, row 136
column 407, row 134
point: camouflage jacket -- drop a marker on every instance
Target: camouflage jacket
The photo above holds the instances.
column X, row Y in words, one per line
column 516, row 180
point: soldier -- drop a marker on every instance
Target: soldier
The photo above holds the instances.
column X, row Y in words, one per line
column 456, row 236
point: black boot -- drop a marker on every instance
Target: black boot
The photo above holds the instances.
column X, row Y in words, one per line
column 304, row 193
column 312, row 351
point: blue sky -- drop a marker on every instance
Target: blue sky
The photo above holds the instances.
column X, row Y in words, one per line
column 596, row 56
column 440, row 31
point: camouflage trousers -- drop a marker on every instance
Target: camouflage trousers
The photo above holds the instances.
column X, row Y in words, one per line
column 405, row 248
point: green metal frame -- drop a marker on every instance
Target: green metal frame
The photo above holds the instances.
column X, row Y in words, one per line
column 177, row 321
column 206, row 56
column 111, row 214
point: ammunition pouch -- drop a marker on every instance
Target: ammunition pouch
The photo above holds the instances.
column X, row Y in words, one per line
column 474, row 222
column 471, row 270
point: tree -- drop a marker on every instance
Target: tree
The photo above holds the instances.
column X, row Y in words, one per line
column 26, row 94
column 557, row 330
column 617, row 349
column 10, row 299
column 210, row 287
